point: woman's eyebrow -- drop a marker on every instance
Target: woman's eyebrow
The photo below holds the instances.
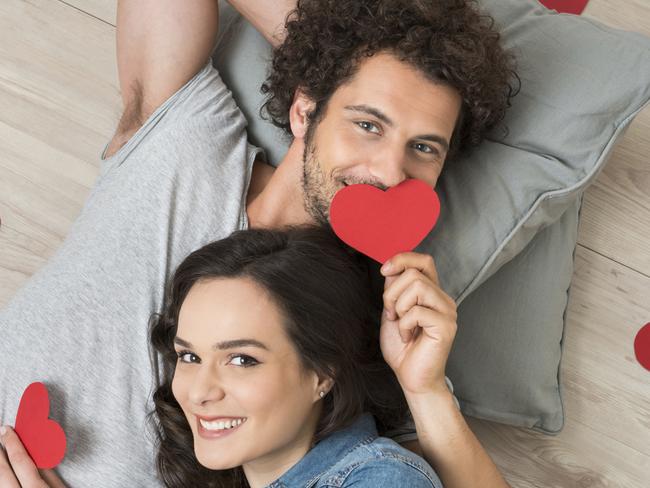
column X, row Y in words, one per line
column 239, row 343
column 225, row 344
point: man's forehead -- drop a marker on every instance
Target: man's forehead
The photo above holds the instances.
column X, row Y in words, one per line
column 395, row 88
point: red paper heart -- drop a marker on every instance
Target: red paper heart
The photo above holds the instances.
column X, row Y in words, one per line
column 380, row 223
column 566, row 6
column 43, row 438
column 642, row 346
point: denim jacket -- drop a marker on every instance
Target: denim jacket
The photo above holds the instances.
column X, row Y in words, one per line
column 357, row 457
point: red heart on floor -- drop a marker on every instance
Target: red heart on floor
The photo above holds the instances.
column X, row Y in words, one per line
column 566, row 6
column 642, row 346
column 381, row 224
column 43, row 438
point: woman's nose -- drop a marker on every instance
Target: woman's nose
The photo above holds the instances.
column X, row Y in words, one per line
column 205, row 386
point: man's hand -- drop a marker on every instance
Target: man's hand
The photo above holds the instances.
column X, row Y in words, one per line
column 17, row 470
column 417, row 331
column 418, row 324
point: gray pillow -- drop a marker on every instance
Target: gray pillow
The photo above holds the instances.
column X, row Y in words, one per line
column 505, row 361
column 582, row 84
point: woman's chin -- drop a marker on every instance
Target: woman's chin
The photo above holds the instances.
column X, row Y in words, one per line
column 215, row 463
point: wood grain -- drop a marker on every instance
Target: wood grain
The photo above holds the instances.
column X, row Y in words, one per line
column 578, row 457
column 59, row 102
column 105, row 10
column 615, row 219
column 606, row 388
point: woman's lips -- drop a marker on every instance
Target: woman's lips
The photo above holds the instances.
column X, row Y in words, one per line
column 217, row 433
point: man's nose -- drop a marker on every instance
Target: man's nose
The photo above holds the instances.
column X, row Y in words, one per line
column 389, row 167
column 206, row 386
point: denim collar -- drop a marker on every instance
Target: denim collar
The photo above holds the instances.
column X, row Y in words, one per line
column 327, row 453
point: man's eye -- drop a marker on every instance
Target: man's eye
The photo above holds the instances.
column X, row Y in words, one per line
column 424, row 148
column 242, row 360
column 368, row 126
column 188, row 357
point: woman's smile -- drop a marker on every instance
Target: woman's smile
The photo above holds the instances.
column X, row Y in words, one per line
column 218, row 427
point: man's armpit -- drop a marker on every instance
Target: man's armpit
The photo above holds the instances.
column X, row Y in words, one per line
column 133, row 117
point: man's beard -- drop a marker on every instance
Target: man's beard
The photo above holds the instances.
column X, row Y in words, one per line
column 317, row 190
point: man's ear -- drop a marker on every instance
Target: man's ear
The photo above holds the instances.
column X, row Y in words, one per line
column 299, row 112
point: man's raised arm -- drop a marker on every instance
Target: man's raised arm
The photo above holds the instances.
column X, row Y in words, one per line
column 267, row 17
column 161, row 44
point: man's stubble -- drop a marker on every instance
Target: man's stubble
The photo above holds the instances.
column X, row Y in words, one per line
column 318, row 190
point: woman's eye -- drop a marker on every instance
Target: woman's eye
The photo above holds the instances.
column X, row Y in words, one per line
column 368, row 126
column 187, row 357
column 242, row 360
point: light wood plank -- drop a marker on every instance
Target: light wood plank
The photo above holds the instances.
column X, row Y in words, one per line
column 59, row 83
column 105, row 10
column 605, row 387
column 578, row 457
column 615, row 219
column 630, row 15
column 59, row 103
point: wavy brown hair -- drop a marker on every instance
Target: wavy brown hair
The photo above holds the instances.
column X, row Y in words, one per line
column 449, row 41
column 331, row 315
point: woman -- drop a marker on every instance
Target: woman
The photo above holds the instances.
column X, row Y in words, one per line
column 272, row 367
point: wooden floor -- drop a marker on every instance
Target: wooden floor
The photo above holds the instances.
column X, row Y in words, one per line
column 59, row 103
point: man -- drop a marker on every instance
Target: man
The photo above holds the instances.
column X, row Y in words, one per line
column 371, row 91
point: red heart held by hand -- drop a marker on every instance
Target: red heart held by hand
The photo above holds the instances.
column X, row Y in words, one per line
column 381, row 224
column 43, row 438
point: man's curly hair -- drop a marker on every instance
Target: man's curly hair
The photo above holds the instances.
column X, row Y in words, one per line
column 449, row 41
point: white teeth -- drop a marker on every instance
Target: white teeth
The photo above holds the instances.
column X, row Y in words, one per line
column 221, row 424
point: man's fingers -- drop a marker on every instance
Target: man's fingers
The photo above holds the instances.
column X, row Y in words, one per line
column 24, row 468
column 435, row 324
column 397, row 285
column 405, row 260
column 419, row 290
column 424, row 293
column 390, row 339
column 414, row 318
